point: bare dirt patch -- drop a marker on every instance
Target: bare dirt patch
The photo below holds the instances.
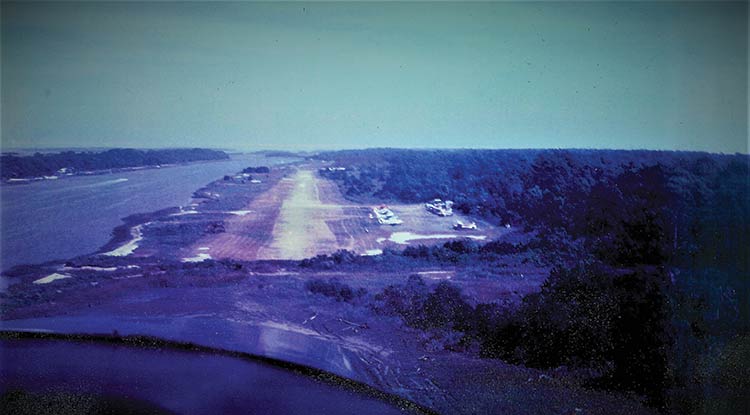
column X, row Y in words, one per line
column 273, row 314
column 301, row 228
column 245, row 234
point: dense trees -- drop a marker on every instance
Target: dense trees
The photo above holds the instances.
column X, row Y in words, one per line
column 334, row 289
column 612, row 320
column 650, row 252
column 259, row 169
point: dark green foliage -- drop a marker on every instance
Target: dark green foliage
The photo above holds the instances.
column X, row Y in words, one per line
column 731, row 375
column 339, row 257
column 260, row 169
column 499, row 331
column 405, row 300
column 570, row 321
column 651, row 250
column 454, row 251
column 641, row 336
column 626, row 207
column 446, row 306
column 443, row 307
column 334, row 289
column 616, row 322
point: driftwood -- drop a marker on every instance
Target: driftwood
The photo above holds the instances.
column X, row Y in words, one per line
column 355, row 325
column 310, row 318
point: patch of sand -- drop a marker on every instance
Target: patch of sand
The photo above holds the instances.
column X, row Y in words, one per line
column 198, row 258
column 51, row 277
column 436, row 275
column 137, row 234
column 185, row 212
column 403, row 238
column 88, row 268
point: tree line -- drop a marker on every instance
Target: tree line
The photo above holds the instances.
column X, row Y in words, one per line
column 49, row 164
column 649, row 252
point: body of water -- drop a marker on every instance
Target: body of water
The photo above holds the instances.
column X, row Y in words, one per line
column 60, row 219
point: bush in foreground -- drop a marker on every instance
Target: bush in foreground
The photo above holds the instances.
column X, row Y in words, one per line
column 334, row 289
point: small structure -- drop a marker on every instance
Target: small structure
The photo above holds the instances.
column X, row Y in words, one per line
column 440, row 207
column 332, row 169
column 460, row 226
column 240, row 178
column 205, row 194
column 385, row 216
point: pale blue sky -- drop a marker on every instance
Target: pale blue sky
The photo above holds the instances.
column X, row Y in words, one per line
column 352, row 75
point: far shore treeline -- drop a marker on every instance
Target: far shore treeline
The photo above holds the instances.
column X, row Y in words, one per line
column 13, row 166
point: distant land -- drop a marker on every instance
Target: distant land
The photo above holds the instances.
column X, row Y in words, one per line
column 454, row 281
column 17, row 168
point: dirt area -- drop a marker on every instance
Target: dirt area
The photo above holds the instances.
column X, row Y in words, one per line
column 247, row 232
column 304, row 215
column 302, row 228
column 266, row 309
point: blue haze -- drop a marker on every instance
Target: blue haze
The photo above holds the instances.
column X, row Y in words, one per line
column 654, row 75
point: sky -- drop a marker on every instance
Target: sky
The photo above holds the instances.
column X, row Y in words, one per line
column 308, row 76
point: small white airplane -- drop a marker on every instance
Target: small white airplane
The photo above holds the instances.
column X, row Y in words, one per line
column 465, row 226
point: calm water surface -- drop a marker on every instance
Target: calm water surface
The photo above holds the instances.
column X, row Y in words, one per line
column 60, row 219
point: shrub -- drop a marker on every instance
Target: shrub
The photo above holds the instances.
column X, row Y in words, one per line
column 334, row 289
column 261, row 169
column 442, row 308
column 446, row 307
column 339, row 257
column 595, row 316
column 498, row 331
column 406, row 301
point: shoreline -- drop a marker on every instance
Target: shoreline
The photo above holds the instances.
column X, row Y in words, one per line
column 131, row 231
column 122, row 234
column 16, row 181
column 119, row 232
